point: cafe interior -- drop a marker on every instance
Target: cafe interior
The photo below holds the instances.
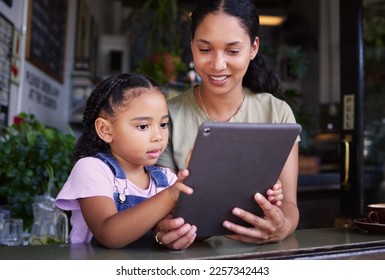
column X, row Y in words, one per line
column 330, row 58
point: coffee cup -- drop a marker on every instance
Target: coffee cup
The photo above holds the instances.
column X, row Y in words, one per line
column 376, row 213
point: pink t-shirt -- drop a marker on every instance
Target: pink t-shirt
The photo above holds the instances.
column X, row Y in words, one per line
column 92, row 177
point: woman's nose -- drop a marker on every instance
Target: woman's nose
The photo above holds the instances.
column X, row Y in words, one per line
column 219, row 62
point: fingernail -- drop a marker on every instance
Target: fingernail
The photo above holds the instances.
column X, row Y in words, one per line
column 236, row 211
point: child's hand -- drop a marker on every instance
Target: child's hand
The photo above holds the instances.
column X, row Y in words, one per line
column 179, row 186
column 275, row 194
column 174, row 233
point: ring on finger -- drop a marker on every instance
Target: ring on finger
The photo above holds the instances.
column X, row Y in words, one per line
column 157, row 239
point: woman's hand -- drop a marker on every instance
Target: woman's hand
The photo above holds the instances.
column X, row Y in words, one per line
column 272, row 227
column 174, row 233
column 277, row 222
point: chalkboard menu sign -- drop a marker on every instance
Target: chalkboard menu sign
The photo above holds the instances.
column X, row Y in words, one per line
column 6, row 39
column 46, row 36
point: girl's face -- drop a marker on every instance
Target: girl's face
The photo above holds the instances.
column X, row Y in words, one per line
column 222, row 51
column 139, row 131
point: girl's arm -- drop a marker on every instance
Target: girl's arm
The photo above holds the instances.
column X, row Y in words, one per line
column 115, row 229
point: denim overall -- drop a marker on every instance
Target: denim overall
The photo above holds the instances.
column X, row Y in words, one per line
column 128, row 201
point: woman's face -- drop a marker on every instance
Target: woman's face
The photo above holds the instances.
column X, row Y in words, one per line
column 222, row 51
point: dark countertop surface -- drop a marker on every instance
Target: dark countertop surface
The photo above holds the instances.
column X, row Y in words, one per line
column 328, row 243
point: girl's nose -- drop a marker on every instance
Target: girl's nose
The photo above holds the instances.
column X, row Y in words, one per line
column 157, row 136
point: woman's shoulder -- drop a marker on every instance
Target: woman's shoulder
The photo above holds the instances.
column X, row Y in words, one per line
column 266, row 105
column 183, row 105
column 266, row 98
column 181, row 99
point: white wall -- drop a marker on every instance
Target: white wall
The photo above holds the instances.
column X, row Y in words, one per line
column 38, row 93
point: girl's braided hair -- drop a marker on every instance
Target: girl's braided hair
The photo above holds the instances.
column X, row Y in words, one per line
column 110, row 95
column 260, row 76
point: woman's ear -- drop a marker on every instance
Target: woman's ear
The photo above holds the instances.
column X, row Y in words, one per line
column 103, row 129
column 254, row 48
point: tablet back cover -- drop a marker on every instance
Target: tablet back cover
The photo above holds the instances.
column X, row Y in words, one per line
column 231, row 162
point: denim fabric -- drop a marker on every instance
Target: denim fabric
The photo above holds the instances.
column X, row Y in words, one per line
column 131, row 201
column 155, row 172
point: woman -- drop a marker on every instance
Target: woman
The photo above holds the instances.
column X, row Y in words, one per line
column 237, row 86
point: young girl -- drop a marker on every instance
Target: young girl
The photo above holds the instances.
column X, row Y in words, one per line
column 115, row 193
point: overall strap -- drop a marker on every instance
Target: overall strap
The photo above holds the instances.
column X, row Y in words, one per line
column 157, row 175
column 112, row 164
column 155, row 172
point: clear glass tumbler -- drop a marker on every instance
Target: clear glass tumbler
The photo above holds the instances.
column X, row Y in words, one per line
column 12, row 232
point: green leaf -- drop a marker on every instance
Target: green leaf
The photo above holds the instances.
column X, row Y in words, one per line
column 30, row 152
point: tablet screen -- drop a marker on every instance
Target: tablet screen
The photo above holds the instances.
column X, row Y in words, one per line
column 230, row 162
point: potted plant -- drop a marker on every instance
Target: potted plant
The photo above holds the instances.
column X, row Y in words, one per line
column 155, row 28
column 34, row 160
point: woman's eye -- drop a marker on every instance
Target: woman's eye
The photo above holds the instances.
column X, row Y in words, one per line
column 204, row 50
column 233, row 52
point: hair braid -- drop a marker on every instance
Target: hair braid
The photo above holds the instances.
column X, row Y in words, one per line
column 89, row 142
column 107, row 97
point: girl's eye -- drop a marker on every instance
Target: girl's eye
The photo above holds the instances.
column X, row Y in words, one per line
column 142, row 127
column 164, row 125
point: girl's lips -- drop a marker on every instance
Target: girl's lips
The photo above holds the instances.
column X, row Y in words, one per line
column 155, row 153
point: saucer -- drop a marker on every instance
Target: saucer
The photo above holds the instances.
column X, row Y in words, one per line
column 363, row 223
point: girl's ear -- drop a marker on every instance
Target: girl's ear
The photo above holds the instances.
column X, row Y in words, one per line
column 103, row 129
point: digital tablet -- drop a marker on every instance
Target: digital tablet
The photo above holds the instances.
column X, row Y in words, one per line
column 230, row 162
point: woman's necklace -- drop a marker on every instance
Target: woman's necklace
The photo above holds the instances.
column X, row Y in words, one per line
column 207, row 114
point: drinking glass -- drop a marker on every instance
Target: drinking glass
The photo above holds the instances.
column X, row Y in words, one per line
column 12, row 232
column 5, row 214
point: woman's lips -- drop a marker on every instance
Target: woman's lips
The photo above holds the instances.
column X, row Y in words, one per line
column 218, row 80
